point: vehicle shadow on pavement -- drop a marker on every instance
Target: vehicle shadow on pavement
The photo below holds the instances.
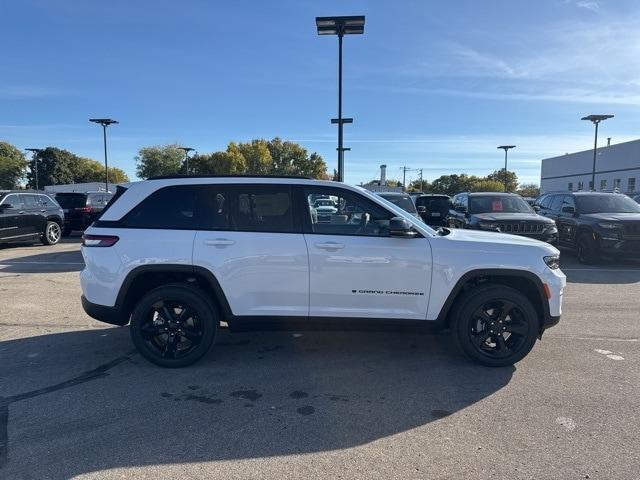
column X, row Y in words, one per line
column 50, row 262
column 83, row 401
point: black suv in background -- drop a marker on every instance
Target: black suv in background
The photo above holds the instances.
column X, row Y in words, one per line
column 81, row 209
column 594, row 223
column 500, row 212
column 29, row 215
column 402, row 200
column 433, row 208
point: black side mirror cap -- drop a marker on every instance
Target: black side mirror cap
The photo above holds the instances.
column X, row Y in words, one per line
column 400, row 227
column 569, row 210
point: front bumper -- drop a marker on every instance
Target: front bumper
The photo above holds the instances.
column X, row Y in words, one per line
column 110, row 315
column 616, row 247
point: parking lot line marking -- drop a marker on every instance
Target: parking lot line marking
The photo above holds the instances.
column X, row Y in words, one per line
column 40, row 263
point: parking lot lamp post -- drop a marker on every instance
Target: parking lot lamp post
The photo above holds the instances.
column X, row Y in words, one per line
column 506, row 148
column 595, row 119
column 340, row 26
column 105, row 122
column 35, row 152
column 186, row 151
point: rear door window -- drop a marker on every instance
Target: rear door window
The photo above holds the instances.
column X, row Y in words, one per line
column 261, row 208
column 30, row 201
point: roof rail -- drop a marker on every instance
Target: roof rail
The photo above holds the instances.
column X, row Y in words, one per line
column 170, row 177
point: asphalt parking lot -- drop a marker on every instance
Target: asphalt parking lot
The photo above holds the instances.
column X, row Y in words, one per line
column 77, row 402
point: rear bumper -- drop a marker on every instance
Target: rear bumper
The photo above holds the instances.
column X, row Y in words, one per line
column 110, row 315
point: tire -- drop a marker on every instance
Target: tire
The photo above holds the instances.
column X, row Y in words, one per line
column 182, row 340
column 52, row 233
column 481, row 312
column 587, row 249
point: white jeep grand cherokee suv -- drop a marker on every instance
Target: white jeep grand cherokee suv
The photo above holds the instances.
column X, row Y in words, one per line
column 175, row 256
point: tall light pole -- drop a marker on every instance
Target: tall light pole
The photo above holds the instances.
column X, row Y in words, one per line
column 595, row 119
column 340, row 26
column 34, row 157
column 105, row 122
column 506, row 148
column 186, row 151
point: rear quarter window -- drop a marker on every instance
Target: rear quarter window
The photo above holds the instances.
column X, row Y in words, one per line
column 168, row 208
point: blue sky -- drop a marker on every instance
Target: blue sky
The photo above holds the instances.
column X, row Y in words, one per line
column 431, row 84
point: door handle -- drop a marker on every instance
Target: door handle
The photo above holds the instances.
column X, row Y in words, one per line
column 219, row 242
column 43, row 210
column 330, row 246
column 21, row 212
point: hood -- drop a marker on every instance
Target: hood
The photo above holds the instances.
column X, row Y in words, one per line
column 612, row 217
column 497, row 239
column 511, row 217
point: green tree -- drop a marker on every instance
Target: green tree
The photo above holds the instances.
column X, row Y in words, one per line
column 55, row 166
column 418, row 186
column 12, row 165
column 218, row 163
column 452, row 184
column 159, row 160
column 499, row 175
column 87, row 170
column 528, row 190
column 256, row 155
column 486, row 185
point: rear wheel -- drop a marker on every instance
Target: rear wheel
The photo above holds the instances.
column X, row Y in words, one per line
column 495, row 325
column 52, row 233
column 587, row 249
column 174, row 325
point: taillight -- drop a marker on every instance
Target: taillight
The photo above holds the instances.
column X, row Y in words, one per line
column 83, row 209
column 99, row 240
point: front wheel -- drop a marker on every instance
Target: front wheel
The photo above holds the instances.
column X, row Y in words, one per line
column 587, row 249
column 174, row 325
column 495, row 325
column 52, row 233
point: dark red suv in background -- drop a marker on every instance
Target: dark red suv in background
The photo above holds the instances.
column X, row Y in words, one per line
column 81, row 209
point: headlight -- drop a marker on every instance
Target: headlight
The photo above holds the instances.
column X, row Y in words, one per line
column 610, row 226
column 552, row 261
column 551, row 228
column 489, row 226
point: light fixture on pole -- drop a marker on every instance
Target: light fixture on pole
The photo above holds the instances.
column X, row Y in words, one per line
column 595, row 119
column 340, row 26
column 34, row 158
column 506, row 148
column 105, row 122
column 186, row 151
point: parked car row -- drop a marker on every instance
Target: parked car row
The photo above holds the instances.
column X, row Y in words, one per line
column 594, row 224
column 28, row 215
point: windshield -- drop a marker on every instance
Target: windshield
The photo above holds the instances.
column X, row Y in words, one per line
column 498, row 204
column 402, row 201
column 606, row 204
column 71, row 200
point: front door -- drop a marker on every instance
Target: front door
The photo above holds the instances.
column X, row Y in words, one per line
column 356, row 268
column 12, row 225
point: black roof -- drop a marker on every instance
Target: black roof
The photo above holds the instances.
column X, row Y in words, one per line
column 171, row 177
column 399, row 194
column 433, row 195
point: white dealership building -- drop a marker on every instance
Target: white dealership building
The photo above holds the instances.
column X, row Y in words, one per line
column 617, row 168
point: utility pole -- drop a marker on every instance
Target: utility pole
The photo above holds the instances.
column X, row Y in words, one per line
column 34, row 159
column 404, row 177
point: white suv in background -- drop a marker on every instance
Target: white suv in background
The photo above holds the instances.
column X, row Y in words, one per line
column 175, row 256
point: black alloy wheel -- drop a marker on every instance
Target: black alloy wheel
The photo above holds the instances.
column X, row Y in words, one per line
column 174, row 325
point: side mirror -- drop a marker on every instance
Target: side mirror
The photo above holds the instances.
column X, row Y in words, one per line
column 537, row 208
column 5, row 206
column 569, row 210
column 422, row 209
column 461, row 209
column 399, row 227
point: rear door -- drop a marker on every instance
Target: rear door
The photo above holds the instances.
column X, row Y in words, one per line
column 12, row 225
column 356, row 268
column 566, row 222
column 252, row 242
column 34, row 214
